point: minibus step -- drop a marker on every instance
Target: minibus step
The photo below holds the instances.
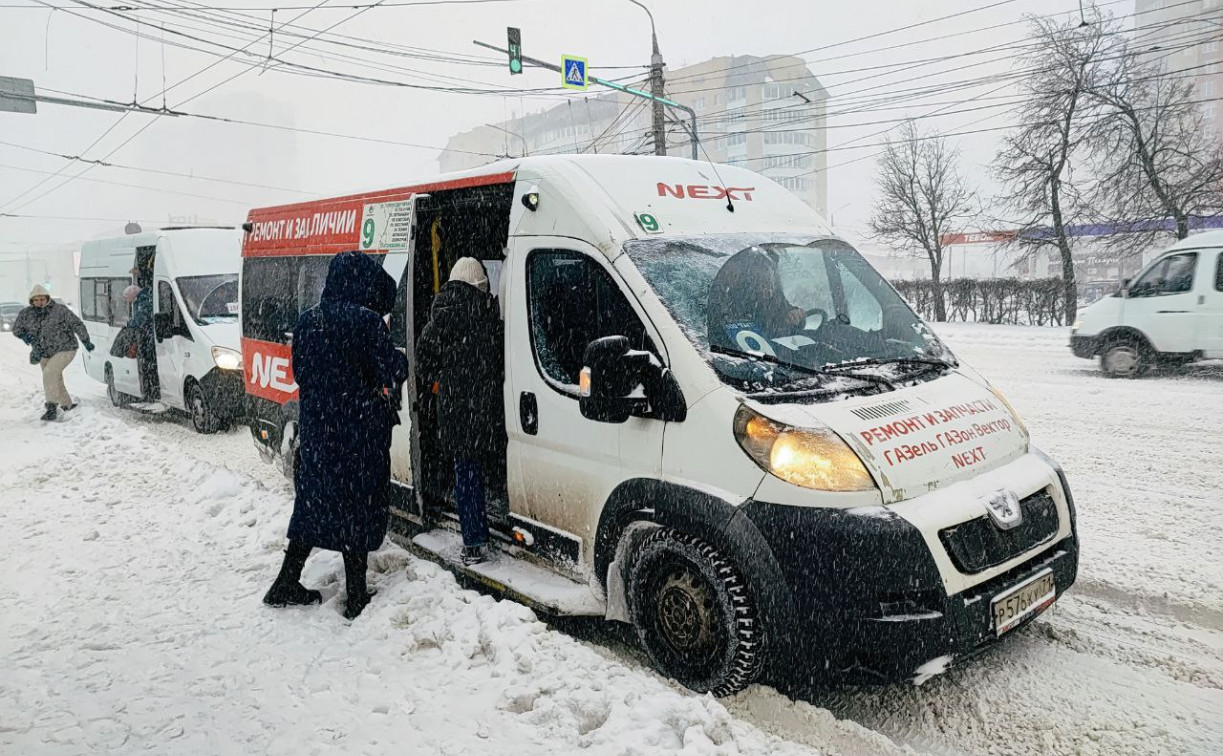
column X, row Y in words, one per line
column 508, row 576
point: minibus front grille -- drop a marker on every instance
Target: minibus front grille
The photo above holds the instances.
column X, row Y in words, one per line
column 978, row 544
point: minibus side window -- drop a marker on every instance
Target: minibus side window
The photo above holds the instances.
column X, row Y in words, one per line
column 120, row 310
column 1219, row 274
column 168, row 305
column 269, row 306
column 1171, row 275
column 89, row 306
column 310, row 280
column 572, row 301
column 101, row 299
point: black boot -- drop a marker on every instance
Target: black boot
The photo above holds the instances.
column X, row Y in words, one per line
column 51, row 413
column 355, row 564
column 288, row 590
column 68, row 407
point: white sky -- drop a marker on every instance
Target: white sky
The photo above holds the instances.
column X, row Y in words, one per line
column 76, row 55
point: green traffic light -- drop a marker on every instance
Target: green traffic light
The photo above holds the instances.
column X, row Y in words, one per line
column 515, row 66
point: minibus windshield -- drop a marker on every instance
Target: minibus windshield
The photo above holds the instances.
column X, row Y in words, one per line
column 210, row 299
column 813, row 307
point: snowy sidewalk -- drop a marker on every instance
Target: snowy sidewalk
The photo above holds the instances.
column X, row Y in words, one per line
column 134, row 553
column 130, row 620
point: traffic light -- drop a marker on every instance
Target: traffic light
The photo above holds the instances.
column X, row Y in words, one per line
column 515, row 49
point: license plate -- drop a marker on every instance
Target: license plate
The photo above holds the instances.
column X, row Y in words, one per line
column 1016, row 604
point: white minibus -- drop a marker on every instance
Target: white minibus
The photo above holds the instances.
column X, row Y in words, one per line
column 724, row 427
column 195, row 364
column 1171, row 313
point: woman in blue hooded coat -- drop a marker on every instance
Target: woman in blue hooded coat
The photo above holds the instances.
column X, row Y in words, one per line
column 346, row 368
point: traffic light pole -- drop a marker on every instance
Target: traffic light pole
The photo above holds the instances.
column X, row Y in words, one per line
column 658, row 101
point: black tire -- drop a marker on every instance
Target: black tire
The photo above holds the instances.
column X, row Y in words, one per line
column 203, row 419
column 1127, row 358
column 694, row 614
column 117, row 397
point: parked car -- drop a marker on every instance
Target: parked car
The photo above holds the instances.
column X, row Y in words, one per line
column 1171, row 313
column 8, row 314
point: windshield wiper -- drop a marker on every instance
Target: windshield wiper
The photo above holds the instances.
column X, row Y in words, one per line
column 817, row 372
column 872, row 361
column 926, row 363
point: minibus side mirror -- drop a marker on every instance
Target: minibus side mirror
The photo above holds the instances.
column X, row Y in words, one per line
column 618, row 382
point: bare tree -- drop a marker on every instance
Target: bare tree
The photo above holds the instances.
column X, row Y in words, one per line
column 1155, row 159
column 922, row 198
column 1036, row 162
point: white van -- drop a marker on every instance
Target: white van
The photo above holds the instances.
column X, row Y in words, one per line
column 194, row 275
column 1171, row 313
column 724, row 427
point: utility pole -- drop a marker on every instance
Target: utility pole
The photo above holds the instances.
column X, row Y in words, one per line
column 692, row 131
column 656, row 87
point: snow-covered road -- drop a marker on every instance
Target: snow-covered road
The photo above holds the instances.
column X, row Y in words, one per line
column 133, row 554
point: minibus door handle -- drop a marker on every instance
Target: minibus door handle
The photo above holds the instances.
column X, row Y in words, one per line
column 528, row 413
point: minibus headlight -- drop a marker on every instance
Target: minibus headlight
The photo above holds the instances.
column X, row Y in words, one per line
column 227, row 359
column 809, row 457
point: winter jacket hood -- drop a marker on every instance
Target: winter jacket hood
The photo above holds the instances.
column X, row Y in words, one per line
column 39, row 291
column 358, row 279
column 50, row 329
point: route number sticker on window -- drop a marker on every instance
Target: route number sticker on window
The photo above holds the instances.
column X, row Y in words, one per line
column 648, row 223
column 386, row 226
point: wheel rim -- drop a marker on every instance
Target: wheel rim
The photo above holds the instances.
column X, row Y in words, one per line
column 687, row 615
column 1122, row 360
column 199, row 415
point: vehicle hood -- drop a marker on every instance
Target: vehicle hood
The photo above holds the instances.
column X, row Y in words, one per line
column 224, row 335
column 919, row 438
column 1099, row 315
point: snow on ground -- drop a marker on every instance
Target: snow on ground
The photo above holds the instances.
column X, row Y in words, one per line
column 133, row 557
column 133, row 554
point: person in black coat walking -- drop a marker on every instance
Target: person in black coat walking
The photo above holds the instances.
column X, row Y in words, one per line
column 346, row 369
column 461, row 351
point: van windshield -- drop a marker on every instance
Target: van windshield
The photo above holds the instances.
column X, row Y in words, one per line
column 211, row 299
column 813, row 306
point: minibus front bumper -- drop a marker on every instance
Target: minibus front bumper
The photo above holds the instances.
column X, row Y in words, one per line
column 869, row 603
column 225, row 393
column 1086, row 347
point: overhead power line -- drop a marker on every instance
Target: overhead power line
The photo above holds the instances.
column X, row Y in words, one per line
column 125, row 142
column 392, row 4
column 141, row 187
column 192, row 176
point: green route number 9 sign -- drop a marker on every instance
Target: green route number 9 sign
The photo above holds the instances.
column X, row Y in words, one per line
column 367, row 233
column 648, row 223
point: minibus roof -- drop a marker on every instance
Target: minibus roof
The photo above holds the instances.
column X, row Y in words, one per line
column 192, row 252
column 1197, row 241
column 610, row 198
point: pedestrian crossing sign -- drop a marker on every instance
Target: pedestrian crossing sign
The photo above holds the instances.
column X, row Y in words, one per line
column 573, row 72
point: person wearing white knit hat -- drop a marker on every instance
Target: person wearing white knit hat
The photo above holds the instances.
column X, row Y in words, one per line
column 461, row 353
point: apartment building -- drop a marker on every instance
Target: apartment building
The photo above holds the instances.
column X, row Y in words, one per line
column 1196, row 28
column 763, row 113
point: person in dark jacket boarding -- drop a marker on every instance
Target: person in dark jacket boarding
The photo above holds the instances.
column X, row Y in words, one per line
column 346, row 369
column 461, row 351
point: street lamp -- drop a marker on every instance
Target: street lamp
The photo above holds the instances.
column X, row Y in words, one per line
column 525, row 151
column 656, row 85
